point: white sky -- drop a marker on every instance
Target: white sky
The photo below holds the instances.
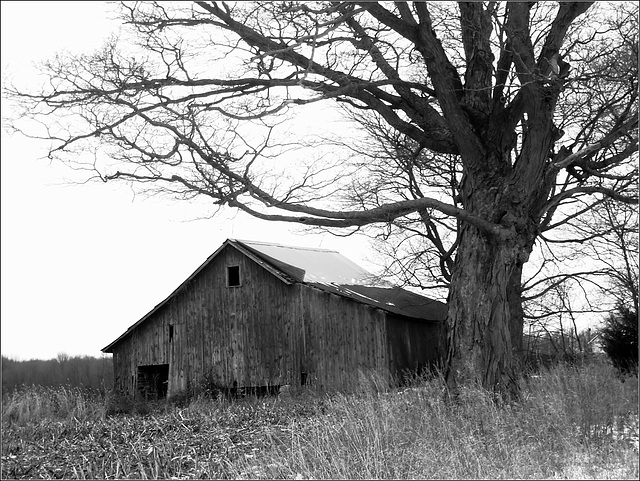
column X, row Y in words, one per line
column 80, row 264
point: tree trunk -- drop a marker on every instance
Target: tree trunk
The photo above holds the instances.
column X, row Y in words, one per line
column 514, row 294
column 480, row 323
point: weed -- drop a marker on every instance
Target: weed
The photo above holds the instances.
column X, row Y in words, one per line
column 577, row 421
column 35, row 403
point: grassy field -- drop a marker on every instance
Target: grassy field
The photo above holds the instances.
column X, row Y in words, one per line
column 572, row 422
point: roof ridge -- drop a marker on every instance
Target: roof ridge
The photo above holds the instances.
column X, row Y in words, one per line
column 274, row 244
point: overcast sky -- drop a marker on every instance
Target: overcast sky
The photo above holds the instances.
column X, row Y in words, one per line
column 80, row 264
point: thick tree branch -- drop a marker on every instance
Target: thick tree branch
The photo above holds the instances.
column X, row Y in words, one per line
column 323, row 217
column 449, row 91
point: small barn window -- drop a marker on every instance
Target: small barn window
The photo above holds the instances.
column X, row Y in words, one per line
column 233, row 276
column 170, row 332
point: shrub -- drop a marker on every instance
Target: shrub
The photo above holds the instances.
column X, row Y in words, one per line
column 117, row 403
column 619, row 339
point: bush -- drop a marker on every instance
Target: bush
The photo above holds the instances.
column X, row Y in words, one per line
column 117, row 403
column 619, row 339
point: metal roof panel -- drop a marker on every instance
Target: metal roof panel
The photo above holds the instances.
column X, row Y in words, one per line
column 308, row 264
column 392, row 299
column 332, row 272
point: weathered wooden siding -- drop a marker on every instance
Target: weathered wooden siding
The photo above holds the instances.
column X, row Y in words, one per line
column 413, row 344
column 228, row 335
column 341, row 338
column 266, row 332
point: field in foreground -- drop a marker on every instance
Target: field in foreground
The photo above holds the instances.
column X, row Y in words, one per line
column 572, row 422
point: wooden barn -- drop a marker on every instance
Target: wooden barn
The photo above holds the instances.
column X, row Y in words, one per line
column 257, row 315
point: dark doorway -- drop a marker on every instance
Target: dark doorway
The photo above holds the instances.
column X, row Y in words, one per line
column 153, row 381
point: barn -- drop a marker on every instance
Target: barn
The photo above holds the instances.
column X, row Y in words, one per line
column 258, row 315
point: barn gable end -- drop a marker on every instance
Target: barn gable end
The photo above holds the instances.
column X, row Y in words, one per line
column 268, row 327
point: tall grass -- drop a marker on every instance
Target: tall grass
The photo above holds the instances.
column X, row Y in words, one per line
column 37, row 403
column 571, row 422
column 562, row 427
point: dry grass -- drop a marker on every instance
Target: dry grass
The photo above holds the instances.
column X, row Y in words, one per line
column 570, row 423
column 36, row 403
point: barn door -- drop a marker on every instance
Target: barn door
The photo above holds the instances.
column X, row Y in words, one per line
column 153, row 381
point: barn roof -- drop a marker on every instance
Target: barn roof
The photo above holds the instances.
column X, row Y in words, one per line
column 307, row 264
column 392, row 299
column 323, row 269
column 332, row 272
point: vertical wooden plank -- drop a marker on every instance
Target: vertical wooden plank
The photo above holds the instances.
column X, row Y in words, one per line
column 194, row 320
column 300, row 354
column 323, row 327
column 384, row 347
column 331, row 349
column 315, row 324
column 204, row 336
column 341, row 341
column 202, row 318
column 304, row 355
column 353, row 328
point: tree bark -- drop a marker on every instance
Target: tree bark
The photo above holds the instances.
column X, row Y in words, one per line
column 483, row 325
column 516, row 311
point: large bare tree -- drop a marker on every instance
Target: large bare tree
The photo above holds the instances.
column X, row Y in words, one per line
column 528, row 110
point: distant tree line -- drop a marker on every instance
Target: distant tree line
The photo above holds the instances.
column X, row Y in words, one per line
column 550, row 344
column 77, row 371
